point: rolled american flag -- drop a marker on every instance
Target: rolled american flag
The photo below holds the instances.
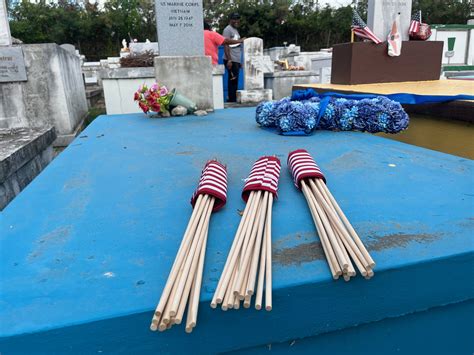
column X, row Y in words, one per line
column 213, row 182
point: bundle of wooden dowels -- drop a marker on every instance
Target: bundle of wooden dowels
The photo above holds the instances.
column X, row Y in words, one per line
column 341, row 244
column 249, row 264
column 183, row 286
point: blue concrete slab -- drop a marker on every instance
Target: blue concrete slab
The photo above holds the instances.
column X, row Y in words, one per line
column 86, row 248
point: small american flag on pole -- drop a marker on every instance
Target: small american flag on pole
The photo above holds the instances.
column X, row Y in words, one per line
column 415, row 22
column 360, row 28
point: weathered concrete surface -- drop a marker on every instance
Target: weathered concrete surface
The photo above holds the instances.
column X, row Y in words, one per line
column 191, row 76
column 281, row 83
column 24, row 153
column 54, row 94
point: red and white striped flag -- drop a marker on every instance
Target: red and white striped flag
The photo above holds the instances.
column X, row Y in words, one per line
column 214, row 183
column 263, row 176
column 415, row 23
column 360, row 28
column 302, row 166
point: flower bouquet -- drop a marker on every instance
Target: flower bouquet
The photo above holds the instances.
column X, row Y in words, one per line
column 154, row 99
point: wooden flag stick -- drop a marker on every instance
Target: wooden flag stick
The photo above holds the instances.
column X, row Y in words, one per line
column 233, row 254
column 258, row 243
column 343, row 262
column 348, row 225
column 332, row 214
column 330, row 257
column 243, row 287
column 197, row 242
column 195, row 299
column 233, row 249
column 251, row 229
column 187, row 289
column 229, row 295
column 259, row 219
column 268, row 255
column 187, row 238
column 227, row 275
column 261, row 271
column 239, row 286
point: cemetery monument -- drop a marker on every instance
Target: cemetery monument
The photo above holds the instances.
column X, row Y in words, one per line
column 182, row 63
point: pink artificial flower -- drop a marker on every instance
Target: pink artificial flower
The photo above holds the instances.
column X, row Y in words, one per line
column 163, row 91
column 136, row 97
column 154, row 87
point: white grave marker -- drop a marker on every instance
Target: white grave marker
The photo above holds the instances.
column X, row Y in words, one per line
column 180, row 27
column 382, row 13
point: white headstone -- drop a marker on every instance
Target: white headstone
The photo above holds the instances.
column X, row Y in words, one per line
column 5, row 36
column 180, row 27
column 382, row 13
column 253, row 64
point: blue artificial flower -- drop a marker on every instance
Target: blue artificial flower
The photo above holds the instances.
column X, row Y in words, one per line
column 378, row 114
column 264, row 114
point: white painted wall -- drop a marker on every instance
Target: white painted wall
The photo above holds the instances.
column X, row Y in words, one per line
column 118, row 94
column 463, row 51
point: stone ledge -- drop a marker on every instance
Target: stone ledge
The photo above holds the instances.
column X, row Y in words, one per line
column 290, row 73
column 20, row 145
column 127, row 73
column 254, row 96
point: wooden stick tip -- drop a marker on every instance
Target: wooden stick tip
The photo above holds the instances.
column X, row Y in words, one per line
column 258, row 307
column 268, row 308
column 153, row 327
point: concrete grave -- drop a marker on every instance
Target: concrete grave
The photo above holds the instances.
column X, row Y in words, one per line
column 5, row 36
column 381, row 14
column 180, row 28
column 12, row 64
column 53, row 95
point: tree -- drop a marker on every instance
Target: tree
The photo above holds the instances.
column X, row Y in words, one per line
column 98, row 33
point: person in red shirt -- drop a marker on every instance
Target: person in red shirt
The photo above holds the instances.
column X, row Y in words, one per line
column 212, row 41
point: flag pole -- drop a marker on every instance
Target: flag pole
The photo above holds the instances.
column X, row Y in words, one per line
column 352, row 36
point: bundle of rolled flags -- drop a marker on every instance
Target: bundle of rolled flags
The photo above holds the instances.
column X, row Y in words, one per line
column 249, row 263
column 341, row 244
column 183, row 286
column 305, row 112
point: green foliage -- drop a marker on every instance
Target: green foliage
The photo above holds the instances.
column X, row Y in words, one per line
column 98, row 33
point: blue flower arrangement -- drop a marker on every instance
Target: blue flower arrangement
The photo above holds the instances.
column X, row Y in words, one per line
column 301, row 114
